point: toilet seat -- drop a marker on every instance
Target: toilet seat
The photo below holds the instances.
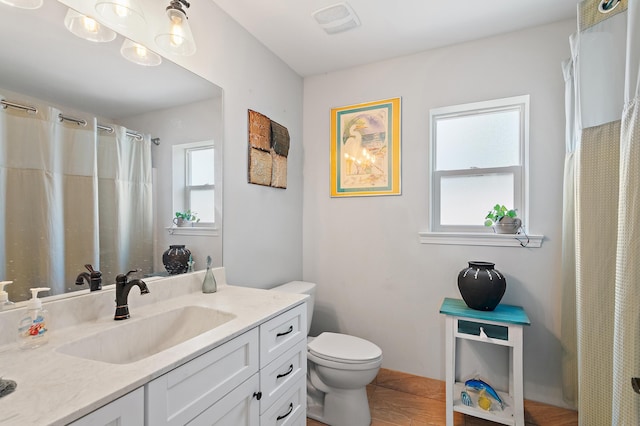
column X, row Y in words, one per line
column 345, row 349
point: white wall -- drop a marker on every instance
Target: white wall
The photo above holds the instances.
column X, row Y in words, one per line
column 375, row 279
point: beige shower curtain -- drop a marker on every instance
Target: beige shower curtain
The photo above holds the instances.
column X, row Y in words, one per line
column 601, row 253
column 70, row 195
column 125, row 203
column 48, row 197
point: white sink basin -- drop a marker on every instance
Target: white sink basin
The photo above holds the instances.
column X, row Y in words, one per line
column 136, row 339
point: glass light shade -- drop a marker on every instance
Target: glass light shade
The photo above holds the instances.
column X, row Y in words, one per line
column 24, row 4
column 87, row 28
column 177, row 37
column 139, row 54
column 121, row 13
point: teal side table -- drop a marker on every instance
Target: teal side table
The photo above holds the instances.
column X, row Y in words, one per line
column 502, row 326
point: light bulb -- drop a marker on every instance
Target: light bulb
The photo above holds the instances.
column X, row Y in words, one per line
column 90, row 24
column 121, row 11
column 177, row 33
column 87, row 27
column 139, row 54
column 177, row 39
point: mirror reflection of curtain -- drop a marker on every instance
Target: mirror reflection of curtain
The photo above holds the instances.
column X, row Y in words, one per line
column 601, row 253
column 70, row 195
column 125, row 203
column 49, row 196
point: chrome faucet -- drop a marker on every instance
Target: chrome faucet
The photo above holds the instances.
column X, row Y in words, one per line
column 123, row 287
column 93, row 278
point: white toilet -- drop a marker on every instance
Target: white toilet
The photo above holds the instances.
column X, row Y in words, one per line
column 339, row 369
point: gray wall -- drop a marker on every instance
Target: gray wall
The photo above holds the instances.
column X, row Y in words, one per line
column 375, row 279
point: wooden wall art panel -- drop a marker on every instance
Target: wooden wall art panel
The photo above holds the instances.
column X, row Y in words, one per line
column 269, row 144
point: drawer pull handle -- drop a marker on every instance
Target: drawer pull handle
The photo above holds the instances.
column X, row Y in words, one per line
column 257, row 395
column 288, row 412
column 290, row 330
column 483, row 335
column 280, row 376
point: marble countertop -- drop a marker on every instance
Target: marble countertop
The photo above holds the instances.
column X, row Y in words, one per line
column 55, row 388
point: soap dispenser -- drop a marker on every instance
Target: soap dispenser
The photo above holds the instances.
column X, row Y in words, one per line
column 32, row 329
column 4, row 296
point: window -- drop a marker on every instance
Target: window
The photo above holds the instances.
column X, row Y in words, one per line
column 199, row 182
column 479, row 158
column 194, row 180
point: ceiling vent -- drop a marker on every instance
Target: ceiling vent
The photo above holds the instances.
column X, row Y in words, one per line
column 337, row 18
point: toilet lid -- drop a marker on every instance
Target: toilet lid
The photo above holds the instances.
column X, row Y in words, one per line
column 343, row 348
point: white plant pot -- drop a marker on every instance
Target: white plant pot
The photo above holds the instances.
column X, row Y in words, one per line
column 507, row 225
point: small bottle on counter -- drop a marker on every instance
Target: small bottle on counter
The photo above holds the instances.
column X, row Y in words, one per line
column 32, row 329
column 209, row 283
column 4, row 296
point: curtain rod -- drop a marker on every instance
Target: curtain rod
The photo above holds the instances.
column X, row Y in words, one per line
column 61, row 117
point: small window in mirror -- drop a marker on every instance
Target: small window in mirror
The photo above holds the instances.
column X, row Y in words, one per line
column 193, row 180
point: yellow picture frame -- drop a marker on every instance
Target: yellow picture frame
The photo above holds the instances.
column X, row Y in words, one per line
column 365, row 149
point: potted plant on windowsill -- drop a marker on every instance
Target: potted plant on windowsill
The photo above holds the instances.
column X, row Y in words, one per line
column 187, row 218
column 503, row 220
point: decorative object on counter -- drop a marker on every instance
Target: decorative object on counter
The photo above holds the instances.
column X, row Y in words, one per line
column 268, row 151
column 481, row 286
column 175, row 259
column 4, row 296
column 209, row 284
column 483, row 387
column 503, row 220
column 187, row 218
column 466, row 399
column 123, row 287
column 365, row 149
column 93, row 278
column 7, row 386
column 32, row 329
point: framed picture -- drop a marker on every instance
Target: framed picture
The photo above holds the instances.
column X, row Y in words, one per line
column 365, row 149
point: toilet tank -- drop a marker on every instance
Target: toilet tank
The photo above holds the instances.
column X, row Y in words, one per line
column 301, row 287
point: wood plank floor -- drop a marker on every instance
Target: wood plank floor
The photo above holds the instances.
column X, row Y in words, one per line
column 400, row 399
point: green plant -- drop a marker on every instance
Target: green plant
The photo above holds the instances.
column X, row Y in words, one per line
column 497, row 213
column 188, row 215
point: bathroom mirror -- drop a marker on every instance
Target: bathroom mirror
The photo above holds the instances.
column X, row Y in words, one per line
column 44, row 61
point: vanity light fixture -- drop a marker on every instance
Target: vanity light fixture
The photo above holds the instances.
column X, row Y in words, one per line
column 24, row 4
column 177, row 37
column 121, row 13
column 139, row 54
column 87, row 28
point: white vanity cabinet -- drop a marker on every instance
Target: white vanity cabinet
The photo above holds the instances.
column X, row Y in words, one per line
column 127, row 410
column 283, row 369
column 257, row 378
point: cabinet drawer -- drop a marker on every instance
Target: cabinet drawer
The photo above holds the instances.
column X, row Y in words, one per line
column 180, row 395
column 277, row 377
column 287, row 410
column 490, row 330
column 279, row 334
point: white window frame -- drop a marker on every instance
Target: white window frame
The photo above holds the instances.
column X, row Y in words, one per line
column 520, row 172
column 188, row 187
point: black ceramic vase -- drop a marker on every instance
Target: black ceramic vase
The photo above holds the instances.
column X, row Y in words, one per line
column 176, row 259
column 481, row 286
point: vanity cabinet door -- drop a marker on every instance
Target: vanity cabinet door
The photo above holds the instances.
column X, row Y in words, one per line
column 239, row 408
column 124, row 411
column 182, row 394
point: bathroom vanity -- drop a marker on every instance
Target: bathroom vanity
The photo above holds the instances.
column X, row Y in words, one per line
column 245, row 365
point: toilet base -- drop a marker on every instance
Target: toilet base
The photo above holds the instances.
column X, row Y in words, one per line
column 341, row 407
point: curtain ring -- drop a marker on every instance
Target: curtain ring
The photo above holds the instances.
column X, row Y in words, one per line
column 607, row 6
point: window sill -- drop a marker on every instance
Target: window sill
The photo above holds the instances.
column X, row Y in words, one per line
column 207, row 231
column 479, row 239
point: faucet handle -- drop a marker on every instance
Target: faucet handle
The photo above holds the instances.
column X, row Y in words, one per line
column 122, row 278
column 89, row 267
